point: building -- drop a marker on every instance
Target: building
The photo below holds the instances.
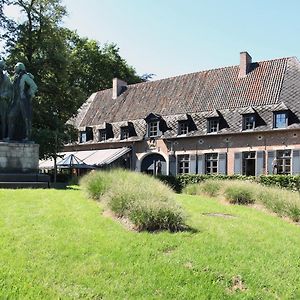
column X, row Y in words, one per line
column 235, row 120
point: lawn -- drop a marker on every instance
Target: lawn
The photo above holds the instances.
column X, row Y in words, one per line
column 57, row 244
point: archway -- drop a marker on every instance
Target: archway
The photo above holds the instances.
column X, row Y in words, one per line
column 154, row 164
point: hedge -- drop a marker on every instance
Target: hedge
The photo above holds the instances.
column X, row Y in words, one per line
column 284, row 181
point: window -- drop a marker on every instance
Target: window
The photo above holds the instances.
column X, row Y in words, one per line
column 124, row 133
column 248, row 122
column 82, row 136
column 183, row 164
column 102, row 135
column 153, row 128
column 183, row 128
column 283, row 162
column 213, row 125
column 280, row 120
column 211, row 163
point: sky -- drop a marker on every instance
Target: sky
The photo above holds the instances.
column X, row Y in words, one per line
column 173, row 37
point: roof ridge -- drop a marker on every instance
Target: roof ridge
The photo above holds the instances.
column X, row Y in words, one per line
column 208, row 70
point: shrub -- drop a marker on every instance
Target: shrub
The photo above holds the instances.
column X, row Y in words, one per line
column 208, row 187
column 95, row 184
column 211, row 187
column 240, row 194
column 144, row 200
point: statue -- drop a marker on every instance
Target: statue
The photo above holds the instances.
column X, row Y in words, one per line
column 24, row 89
column 5, row 98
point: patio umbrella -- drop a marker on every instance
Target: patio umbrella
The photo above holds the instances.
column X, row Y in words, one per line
column 71, row 161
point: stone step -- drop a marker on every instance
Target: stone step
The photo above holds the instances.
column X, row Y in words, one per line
column 24, row 185
column 23, row 177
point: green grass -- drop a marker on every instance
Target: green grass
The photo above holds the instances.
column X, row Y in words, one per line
column 56, row 244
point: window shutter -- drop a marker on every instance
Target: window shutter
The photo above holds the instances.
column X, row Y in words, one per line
column 201, row 164
column 193, row 164
column 238, row 163
column 296, row 162
column 222, row 163
column 271, row 157
column 172, row 165
column 260, row 163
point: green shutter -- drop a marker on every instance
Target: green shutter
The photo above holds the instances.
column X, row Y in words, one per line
column 201, row 164
column 172, row 165
column 271, row 157
column 238, row 163
column 222, row 163
column 296, row 162
column 193, row 163
column 260, row 163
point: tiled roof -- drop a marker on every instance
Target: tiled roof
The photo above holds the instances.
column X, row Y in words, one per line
column 268, row 85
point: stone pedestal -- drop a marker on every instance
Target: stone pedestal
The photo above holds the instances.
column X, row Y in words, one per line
column 19, row 157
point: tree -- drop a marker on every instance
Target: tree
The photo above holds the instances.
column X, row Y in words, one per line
column 67, row 68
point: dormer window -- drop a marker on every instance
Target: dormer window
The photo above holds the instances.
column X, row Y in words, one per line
column 153, row 128
column 249, row 122
column 155, row 125
column 124, row 133
column 280, row 119
column 183, row 127
column 82, row 137
column 213, row 125
column 102, row 135
column 87, row 135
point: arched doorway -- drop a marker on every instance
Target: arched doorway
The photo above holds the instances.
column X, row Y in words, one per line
column 154, row 164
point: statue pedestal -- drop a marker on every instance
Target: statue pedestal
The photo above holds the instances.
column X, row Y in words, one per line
column 19, row 164
column 19, row 157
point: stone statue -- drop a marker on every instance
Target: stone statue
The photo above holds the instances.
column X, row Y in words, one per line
column 24, row 89
column 5, row 98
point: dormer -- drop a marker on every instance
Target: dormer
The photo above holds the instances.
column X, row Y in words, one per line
column 86, row 134
column 127, row 130
column 154, row 125
column 281, row 116
column 249, row 118
column 213, row 121
column 185, row 124
column 105, row 132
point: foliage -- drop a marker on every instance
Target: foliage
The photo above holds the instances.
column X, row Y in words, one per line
column 56, row 245
column 208, row 187
column 67, row 68
column 179, row 182
column 283, row 181
column 146, row 202
column 240, row 193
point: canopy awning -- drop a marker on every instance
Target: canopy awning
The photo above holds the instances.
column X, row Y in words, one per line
column 90, row 158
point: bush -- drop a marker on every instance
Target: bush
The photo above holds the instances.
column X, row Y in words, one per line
column 144, row 200
column 240, row 194
column 208, row 187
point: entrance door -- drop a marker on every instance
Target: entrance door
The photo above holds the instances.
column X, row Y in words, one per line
column 154, row 164
column 249, row 163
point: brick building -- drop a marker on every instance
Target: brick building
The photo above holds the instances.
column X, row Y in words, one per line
column 235, row 120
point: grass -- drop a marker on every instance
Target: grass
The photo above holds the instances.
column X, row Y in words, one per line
column 283, row 202
column 56, row 244
column 142, row 199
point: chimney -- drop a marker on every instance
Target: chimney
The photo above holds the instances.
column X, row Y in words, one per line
column 245, row 63
column 119, row 86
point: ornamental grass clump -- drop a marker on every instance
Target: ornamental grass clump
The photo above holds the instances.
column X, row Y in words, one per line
column 145, row 201
column 240, row 193
column 209, row 187
column 283, row 202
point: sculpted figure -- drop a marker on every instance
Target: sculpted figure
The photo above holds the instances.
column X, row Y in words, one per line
column 24, row 89
column 5, row 98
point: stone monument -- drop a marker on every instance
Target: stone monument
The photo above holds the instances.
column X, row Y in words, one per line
column 19, row 156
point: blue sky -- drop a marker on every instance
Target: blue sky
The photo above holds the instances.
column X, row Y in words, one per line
column 172, row 37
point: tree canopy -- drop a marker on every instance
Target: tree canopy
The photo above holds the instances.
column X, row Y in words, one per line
column 67, row 67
